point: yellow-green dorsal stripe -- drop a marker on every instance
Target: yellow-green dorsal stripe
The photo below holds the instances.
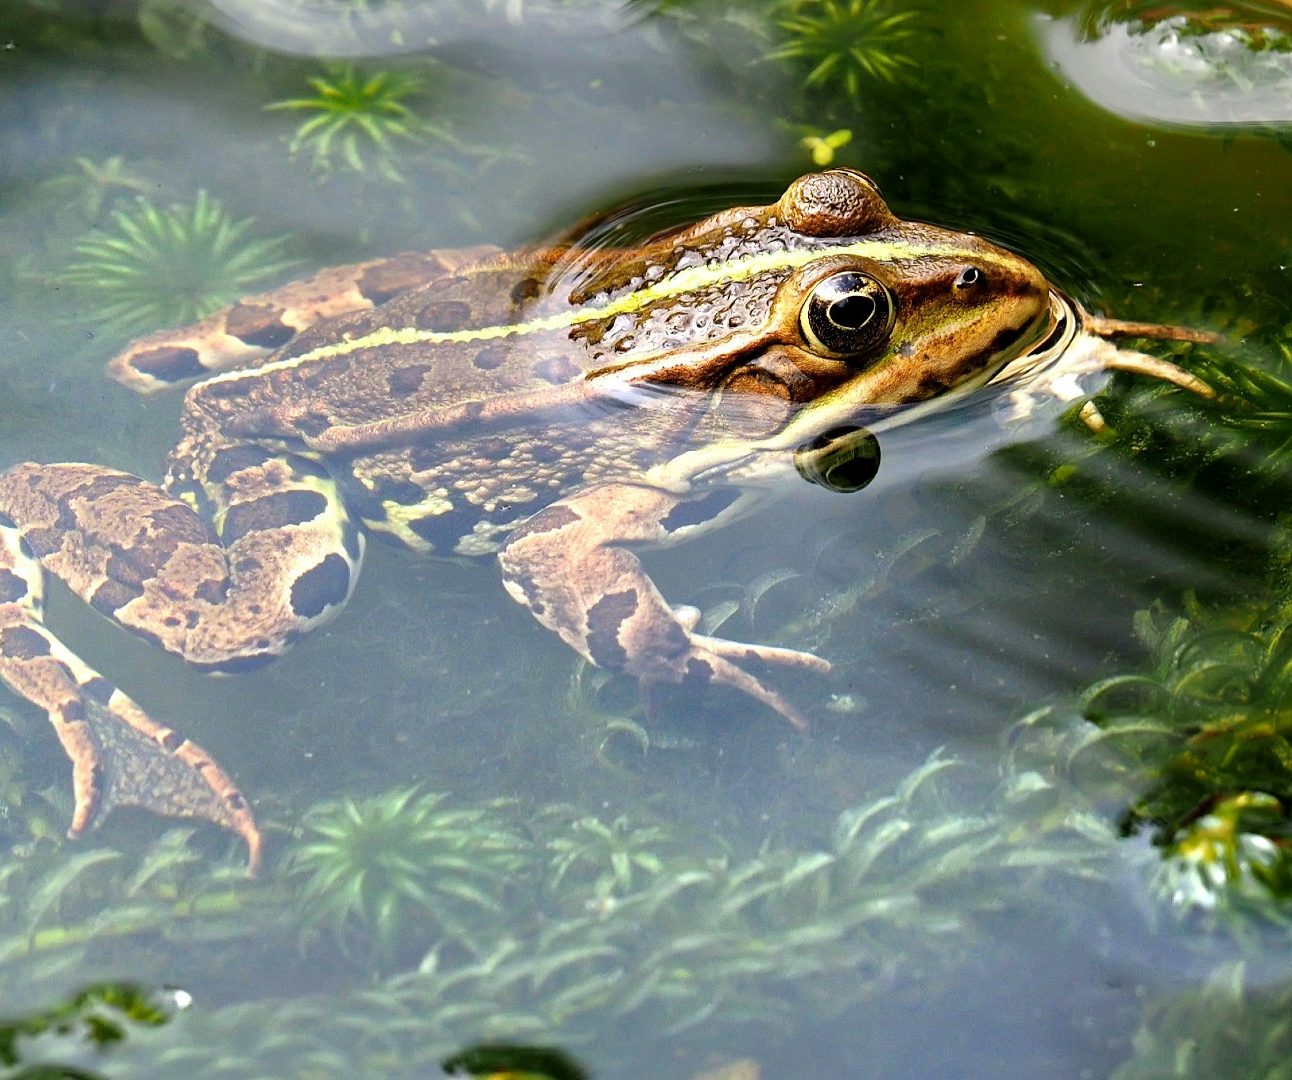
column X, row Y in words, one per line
column 691, row 279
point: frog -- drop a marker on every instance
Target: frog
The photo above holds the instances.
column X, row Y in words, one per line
column 557, row 408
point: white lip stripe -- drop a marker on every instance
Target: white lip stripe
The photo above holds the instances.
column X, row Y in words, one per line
column 683, row 281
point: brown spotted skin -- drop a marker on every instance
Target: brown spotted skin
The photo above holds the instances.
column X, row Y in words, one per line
column 555, row 406
column 597, row 598
column 248, row 331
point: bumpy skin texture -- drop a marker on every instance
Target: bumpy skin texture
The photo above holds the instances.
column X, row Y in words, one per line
column 555, row 406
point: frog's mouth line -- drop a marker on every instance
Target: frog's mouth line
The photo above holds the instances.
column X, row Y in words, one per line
column 773, row 455
column 1057, row 332
column 1065, row 322
column 1073, row 344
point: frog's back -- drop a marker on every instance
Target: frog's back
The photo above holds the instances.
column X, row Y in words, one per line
column 451, row 341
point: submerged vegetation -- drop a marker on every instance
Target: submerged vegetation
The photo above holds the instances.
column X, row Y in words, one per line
column 847, row 43
column 689, row 938
column 402, row 872
column 164, row 267
column 358, row 120
column 98, row 1016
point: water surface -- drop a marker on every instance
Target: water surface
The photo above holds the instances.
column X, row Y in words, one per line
column 942, row 879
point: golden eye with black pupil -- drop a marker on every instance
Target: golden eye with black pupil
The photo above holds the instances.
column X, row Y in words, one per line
column 968, row 277
column 847, row 314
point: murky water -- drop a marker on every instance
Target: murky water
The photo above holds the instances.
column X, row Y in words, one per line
column 473, row 838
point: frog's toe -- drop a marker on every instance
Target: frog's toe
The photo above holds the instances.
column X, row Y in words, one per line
column 768, row 654
column 701, row 667
column 122, row 757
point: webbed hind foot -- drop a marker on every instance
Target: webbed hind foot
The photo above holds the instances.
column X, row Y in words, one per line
column 120, row 756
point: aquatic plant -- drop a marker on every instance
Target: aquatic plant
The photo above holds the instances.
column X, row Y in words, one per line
column 691, row 939
column 1208, row 724
column 604, row 859
column 1216, row 695
column 521, row 1062
column 358, row 121
column 844, row 43
column 1255, row 406
column 1226, row 859
column 101, row 1015
column 153, row 267
column 65, row 904
column 91, row 185
column 822, row 148
column 1232, row 1027
column 174, row 28
column 399, row 872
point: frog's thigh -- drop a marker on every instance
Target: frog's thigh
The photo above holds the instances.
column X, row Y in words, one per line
column 568, row 565
column 286, row 558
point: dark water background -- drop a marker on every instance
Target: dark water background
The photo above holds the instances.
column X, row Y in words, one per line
column 705, row 889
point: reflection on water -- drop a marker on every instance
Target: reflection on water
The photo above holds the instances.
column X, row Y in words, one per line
column 1210, row 67
column 1042, row 804
column 538, row 1062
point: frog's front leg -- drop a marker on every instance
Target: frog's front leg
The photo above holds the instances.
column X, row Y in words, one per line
column 281, row 558
column 569, row 566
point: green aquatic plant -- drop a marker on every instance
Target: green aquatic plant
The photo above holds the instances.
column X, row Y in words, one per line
column 1197, row 739
column 1210, row 724
column 89, row 186
column 1227, row 860
column 101, row 1015
column 358, row 121
column 400, row 872
column 690, row 941
column 518, row 1062
column 1255, row 406
column 163, row 267
column 175, row 28
column 65, row 905
column 605, row 860
column 1232, row 1027
column 844, row 43
column 822, row 148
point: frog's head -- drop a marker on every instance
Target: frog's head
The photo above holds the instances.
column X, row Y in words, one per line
column 911, row 311
column 862, row 316
column 842, row 306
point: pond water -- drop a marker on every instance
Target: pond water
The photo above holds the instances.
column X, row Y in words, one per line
column 1038, row 826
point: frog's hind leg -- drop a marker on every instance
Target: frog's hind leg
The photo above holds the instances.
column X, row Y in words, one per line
column 569, row 566
column 245, row 333
column 285, row 559
column 119, row 755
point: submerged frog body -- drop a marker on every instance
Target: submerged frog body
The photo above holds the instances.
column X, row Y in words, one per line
column 556, row 407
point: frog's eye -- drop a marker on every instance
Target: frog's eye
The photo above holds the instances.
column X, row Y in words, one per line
column 847, row 314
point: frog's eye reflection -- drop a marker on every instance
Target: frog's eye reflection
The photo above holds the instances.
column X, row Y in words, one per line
column 843, row 459
column 846, row 314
